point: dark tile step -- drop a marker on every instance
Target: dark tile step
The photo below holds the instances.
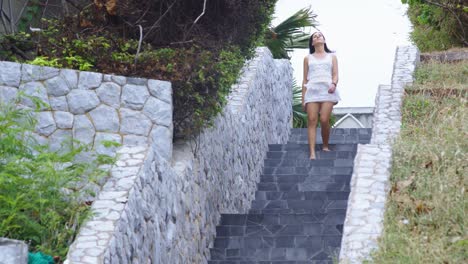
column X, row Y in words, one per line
column 312, row 242
column 307, row 229
column 305, row 147
column 303, row 186
column 291, row 211
column 294, row 162
column 334, row 139
column 308, row 170
column 330, row 217
column 298, row 204
column 301, row 178
column 335, row 131
column 295, row 195
column 278, row 254
column 269, row 262
column 303, row 155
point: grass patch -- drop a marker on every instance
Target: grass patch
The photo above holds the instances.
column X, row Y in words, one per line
column 435, row 75
column 426, row 211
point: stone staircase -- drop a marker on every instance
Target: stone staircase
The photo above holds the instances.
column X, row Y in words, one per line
column 299, row 208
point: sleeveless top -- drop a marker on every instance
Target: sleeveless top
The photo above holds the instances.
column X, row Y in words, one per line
column 320, row 70
column 319, row 79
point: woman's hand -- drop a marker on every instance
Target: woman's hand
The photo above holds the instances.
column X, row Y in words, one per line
column 332, row 88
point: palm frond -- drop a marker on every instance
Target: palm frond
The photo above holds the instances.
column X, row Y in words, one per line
column 299, row 41
column 294, row 24
column 299, row 116
column 289, row 35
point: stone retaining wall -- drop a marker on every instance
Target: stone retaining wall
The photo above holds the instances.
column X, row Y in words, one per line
column 157, row 210
column 218, row 172
column 92, row 107
column 370, row 181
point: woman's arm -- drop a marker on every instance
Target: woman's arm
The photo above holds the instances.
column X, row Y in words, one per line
column 334, row 74
column 304, row 79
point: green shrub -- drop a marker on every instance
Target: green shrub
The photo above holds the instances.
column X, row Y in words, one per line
column 37, row 201
column 439, row 24
column 201, row 60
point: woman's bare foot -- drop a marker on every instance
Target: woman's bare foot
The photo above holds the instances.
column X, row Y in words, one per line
column 326, row 149
column 312, row 156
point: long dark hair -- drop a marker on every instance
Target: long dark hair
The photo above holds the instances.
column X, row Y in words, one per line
column 312, row 48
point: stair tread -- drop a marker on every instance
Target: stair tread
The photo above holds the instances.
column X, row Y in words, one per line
column 277, row 242
column 262, row 254
column 308, row 229
column 269, row 262
column 307, row 195
column 300, row 205
column 332, row 217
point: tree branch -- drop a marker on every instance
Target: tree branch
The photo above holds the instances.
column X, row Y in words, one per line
column 12, row 26
column 2, row 12
column 463, row 39
column 66, row 12
column 159, row 19
column 203, row 12
column 21, row 12
column 139, row 44
column 196, row 20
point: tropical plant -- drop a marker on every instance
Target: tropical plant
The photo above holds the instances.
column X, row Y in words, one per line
column 198, row 45
column 288, row 35
column 39, row 199
column 299, row 116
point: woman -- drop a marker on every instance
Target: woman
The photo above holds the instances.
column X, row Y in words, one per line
column 319, row 93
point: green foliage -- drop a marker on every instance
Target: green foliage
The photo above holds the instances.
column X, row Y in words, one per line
column 438, row 24
column 203, row 97
column 16, row 47
column 299, row 115
column 288, row 34
column 230, row 61
column 201, row 60
column 30, row 13
column 45, row 61
column 37, row 201
column 418, row 106
column 437, row 75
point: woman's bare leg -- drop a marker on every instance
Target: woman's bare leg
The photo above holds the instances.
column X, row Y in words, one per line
column 312, row 119
column 325, row 113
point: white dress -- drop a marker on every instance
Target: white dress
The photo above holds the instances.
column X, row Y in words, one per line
column 319, row 79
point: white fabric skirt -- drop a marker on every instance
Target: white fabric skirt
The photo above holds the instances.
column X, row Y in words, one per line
column 318, row 92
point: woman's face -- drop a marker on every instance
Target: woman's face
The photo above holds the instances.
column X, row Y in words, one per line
column 317, row 38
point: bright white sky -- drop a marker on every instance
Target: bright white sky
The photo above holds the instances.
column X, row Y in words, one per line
column 364, row 34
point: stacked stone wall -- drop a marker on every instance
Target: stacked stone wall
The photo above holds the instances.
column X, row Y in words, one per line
column 171, row 213
column 218, row 172
column 93, row 107
column 370, row 181
column 157, row 207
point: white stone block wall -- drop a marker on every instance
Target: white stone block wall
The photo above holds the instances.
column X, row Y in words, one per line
column 92, row 107
column 372, row 165
column 218, row 172
column 172, row 207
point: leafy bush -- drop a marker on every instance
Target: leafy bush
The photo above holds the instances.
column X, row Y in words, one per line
column 37, row 201
column 438, row 24
column 202, row 60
